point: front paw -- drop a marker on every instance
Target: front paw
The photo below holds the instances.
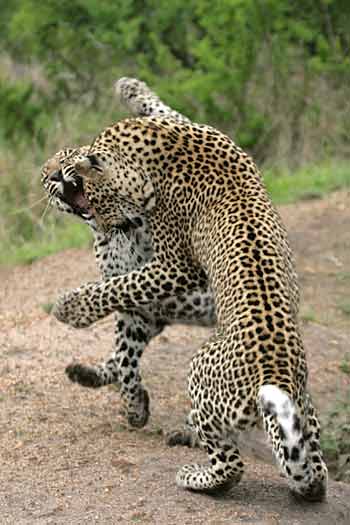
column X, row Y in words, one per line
column 71, row 309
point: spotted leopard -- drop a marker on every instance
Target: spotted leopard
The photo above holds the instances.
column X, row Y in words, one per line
column 210, row 220
column 119, row 250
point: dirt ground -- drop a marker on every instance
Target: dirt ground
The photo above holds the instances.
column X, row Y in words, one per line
column 67, row 456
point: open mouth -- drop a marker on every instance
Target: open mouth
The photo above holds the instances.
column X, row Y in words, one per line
column 73, row 194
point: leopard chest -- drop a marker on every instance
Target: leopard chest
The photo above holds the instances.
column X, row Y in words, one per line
column 121, row 252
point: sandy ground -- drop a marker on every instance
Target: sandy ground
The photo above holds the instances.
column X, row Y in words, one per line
column 67, row 456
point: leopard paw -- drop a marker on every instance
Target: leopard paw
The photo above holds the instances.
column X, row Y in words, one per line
column 71, row 309
column 84, row 375
column 183, row 438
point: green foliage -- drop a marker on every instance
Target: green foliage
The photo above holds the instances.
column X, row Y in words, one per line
column 335, row 437
column 233, row 63
column 22, row 116
column 28, row 228
column 344, row 306
column 308, row 316
column 274, row 75
column 343, row 276
column 57, row 237
column 309, row 182
column 345, row 365
column 47, row 307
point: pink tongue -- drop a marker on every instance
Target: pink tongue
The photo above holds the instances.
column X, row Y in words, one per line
column 82, row 201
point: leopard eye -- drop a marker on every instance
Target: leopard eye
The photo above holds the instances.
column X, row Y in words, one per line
column 56, row 176
column 94, row 161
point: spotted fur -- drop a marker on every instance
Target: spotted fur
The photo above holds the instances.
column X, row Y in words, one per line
column 143, row 102
column 118, row 251
column 210, row 220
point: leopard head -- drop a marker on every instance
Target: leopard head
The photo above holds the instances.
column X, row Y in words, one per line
column 118, row 189
column 64, row 186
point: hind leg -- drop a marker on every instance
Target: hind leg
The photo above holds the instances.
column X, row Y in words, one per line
column 225, row 466
column 214, row 421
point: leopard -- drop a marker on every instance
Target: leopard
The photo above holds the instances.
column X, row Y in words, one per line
column 211, row 222
column 119, row 250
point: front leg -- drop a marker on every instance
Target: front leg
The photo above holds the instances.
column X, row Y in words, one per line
column 74, row 307
column 132, row 333
column 150, row 285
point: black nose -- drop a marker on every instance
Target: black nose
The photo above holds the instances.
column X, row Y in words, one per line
column 56, row 176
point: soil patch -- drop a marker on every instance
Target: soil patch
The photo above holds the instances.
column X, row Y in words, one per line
column 67, row 454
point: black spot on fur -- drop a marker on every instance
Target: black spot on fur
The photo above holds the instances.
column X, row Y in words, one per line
column 295, row 454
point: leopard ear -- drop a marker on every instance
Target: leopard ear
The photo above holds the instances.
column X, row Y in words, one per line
column 83, row 165
column 86, row 165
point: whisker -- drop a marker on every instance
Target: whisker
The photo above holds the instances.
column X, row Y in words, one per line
column 27, row 208
column 41, row 220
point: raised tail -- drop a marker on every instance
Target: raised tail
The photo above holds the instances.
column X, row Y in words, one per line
column 142, row 101
column 295, row 442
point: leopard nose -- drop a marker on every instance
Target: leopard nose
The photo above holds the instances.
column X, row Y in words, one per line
column 56, row 176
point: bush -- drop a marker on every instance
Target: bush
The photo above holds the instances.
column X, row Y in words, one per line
column 264, row 72
column 23, row 117
column 274, row 75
